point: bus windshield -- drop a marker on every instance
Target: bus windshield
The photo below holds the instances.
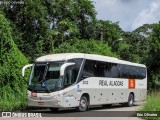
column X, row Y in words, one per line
column 46, row 77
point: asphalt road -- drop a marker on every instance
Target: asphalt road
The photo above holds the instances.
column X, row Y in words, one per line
column 114, row 112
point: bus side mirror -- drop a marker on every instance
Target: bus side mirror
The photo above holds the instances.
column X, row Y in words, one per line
column 63, row 67
column 25, row 67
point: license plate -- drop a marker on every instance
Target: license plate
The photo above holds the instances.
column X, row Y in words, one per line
column 40, row 103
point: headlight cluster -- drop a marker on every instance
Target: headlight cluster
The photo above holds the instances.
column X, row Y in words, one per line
column 56, row 97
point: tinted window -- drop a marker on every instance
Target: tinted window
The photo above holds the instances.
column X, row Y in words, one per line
column 77, row 61
column 100, row 69
column 70, row 76
column 132, row 72
column 89, row 69
column 112, row 70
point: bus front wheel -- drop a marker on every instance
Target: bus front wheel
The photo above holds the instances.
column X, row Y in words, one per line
column 83, row 104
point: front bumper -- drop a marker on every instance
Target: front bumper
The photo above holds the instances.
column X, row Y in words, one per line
column 44, row 102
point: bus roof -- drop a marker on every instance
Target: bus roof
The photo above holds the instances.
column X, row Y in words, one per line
column 66, row 56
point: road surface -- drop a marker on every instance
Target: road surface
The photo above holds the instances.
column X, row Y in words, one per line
column 115, row 112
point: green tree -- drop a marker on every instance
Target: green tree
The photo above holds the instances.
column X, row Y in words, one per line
column 153, row 61
column 144, row 30
column 107, row 31
column 86, row 46
column 134, row 47
column 86, row 17
column 30, row 22
column 71, row 19
column 39, row 26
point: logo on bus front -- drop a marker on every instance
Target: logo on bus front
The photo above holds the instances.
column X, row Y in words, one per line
column 131, row 83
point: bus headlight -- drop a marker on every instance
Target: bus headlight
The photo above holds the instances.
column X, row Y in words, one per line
column 56, row 97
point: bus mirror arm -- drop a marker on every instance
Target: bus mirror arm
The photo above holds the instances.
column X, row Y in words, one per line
column 25, row 67
column 63, row 67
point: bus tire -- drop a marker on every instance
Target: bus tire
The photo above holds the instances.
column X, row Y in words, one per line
column 83, row 104
column 130, row 100
column 54, row 109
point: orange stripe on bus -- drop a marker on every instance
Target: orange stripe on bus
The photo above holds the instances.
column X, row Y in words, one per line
column 131, row 83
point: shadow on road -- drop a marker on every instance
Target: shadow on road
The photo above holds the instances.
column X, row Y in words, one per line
column 73, row 112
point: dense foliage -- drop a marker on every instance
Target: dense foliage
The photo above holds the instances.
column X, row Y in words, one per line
column 12, row 85
column 86, row 46
column 39, row 27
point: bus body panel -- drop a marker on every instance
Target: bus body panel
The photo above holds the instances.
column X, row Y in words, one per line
column 70, row 96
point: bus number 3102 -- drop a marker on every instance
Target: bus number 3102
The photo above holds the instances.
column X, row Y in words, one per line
column 85, row 82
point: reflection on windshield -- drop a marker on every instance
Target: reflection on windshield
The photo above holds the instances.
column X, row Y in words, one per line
column 46, row 76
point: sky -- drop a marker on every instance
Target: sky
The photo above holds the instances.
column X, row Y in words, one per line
column 131, row 14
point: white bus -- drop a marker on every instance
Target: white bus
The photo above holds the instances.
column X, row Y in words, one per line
column 79, row 80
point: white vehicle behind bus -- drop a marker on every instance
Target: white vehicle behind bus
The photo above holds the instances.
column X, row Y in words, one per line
column 79, row 80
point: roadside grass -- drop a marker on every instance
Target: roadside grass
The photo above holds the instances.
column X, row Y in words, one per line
column 152, row 104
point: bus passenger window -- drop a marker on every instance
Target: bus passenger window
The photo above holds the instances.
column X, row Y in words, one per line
column 89, row 69
column 100, row 69
column 70, row 76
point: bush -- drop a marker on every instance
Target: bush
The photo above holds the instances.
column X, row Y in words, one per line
column 12, row 85
column 152, row 105
column 154, row 80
